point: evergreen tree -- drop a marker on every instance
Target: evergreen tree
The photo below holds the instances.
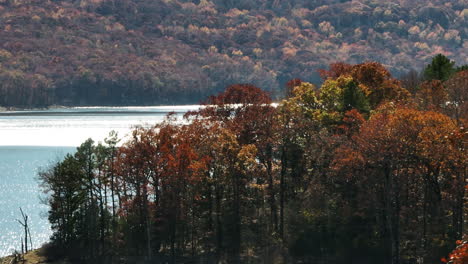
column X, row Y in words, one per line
column 462, row 68
column 353, row 97
column 441, row 68
column 67, row 198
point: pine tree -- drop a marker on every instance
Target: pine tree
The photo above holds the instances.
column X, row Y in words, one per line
column 441, row 68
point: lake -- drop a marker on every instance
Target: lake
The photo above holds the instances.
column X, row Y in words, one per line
column 30, row 140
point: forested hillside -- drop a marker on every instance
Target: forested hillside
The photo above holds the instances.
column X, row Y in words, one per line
column 117, row 52
column 360, row 170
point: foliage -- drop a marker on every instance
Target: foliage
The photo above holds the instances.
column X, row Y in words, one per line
column 459, row 255
column 350, row 172
column 441, row 68
column 144, row 52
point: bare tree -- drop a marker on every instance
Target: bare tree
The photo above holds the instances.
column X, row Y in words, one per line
column 26, row 231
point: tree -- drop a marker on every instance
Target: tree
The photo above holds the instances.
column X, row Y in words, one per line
column 111, row 154
column 343, row 94
column 432, row 95
column 378, row 84
column 411, row 81
column 457, row 89
column 87, row 159
column 63, row 183
column 412, row 163
column 462, row 68
column 440, row 68
column 336, row 70
column 27, row 232
column 459, row 255
column 136, row 158
column 350, row 172
column 246, row 112
column 372, row 78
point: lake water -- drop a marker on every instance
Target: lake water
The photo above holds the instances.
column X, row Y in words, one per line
column 30, row 140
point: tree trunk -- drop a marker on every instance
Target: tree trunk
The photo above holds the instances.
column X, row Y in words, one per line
column 237, row 238
column 219, row 227
column 271, row 190
column 282, row 191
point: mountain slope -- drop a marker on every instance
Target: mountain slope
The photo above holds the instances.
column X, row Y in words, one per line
column 88, row 52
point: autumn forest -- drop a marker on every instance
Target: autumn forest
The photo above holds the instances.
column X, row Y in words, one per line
column 358, row 170
column 328, row 131
column 147, row 52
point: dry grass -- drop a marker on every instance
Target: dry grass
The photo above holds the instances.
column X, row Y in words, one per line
column 32, row 257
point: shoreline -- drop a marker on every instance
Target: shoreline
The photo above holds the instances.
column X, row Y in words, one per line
column 35, row 256
column 55, row 107
column 78, row 107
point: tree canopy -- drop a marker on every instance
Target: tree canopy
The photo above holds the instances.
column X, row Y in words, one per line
column 326, row 176
column 142, row 52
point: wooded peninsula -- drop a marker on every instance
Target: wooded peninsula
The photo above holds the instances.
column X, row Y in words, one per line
column 359, row 170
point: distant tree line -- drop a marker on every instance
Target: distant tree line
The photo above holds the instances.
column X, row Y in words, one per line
column 359, row 170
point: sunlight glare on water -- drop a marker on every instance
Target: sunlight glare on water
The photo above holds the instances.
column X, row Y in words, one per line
column 72, row 126
column 19, row 188
column 30, row 140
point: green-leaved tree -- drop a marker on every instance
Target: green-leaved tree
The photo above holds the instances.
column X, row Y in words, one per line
column 441, row 68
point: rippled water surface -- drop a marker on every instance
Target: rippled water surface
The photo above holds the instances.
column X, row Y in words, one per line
column 18, row 188
column 30, row 140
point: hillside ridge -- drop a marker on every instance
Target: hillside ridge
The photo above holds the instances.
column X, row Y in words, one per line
column 129, row 52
